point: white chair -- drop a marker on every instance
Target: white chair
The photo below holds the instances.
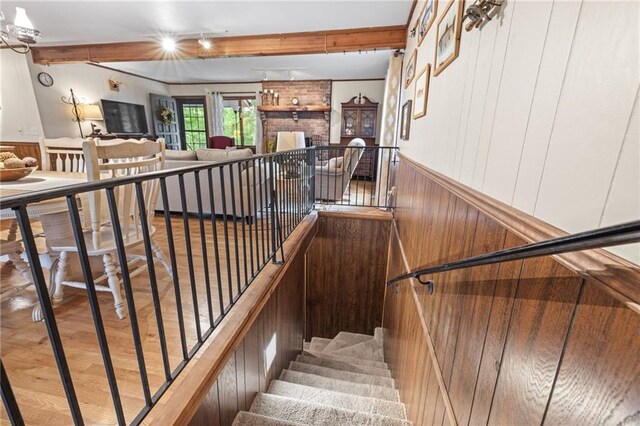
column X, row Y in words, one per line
column 334, row 176
column 114, row 159
column 62, row 155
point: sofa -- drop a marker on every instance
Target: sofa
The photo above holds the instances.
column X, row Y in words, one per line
column 238, row 183
column 333, row 176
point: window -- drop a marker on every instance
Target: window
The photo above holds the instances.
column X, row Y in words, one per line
column 193, row 123
column 239, row 117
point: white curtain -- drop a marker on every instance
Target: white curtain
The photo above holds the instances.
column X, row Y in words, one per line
column 389, row 125
column 258, row 135
column 215, row 120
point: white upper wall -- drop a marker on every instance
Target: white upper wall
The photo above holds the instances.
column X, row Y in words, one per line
column 540, row 110
column 19, row 116
column 90, row 84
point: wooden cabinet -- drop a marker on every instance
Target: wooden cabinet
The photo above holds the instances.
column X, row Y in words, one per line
column 359, row 119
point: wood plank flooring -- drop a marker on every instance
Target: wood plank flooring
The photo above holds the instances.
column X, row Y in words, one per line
column 26, row 351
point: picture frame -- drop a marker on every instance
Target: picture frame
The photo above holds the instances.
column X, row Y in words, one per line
column 405, row 120
column 410, row 68
column 426, row 19
column 448, row 32
column 421, row 94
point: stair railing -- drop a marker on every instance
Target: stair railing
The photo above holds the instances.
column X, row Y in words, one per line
column 625, row 233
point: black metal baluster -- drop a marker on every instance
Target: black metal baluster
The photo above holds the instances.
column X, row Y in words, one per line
column 266, row 189
column 9, row 399
column 187, row 242
column 126, row 282
column 153, row 282
column 244, row 230
column 203, row 242
column 226, row 235
column 262, row 208
column 52, row 328
column 255, row 215
column 234, row 214
column 174, row 268
column 95, row 307
column 250, row 218
column 216, row 251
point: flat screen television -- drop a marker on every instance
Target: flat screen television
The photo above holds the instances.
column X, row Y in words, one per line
column 122, row 117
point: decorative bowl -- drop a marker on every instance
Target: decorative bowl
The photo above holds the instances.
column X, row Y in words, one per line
column 8, row 175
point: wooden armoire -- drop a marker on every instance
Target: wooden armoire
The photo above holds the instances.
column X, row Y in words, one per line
column 359, row 119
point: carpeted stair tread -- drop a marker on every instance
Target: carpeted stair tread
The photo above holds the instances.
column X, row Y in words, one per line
column 338, row 399
column 300, row 411
column 317, row 344
column 345, row 339
column 348, row 376
column 360, row 389
column 348, row 359
column 378, row 334
column 346, row 366
column 245, row 418
column 370, row 350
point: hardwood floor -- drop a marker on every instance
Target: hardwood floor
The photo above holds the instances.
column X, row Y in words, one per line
column 26, row 351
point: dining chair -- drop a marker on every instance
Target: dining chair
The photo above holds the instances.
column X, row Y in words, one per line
column 62, row 155
column 111, row 160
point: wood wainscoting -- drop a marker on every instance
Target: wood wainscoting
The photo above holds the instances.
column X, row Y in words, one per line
column 24, row 149
column 547, row 340
column 346, row 271
column 226, row 374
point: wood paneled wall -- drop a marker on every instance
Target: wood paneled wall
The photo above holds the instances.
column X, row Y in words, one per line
column 525, row 342
column 346, row 272
column 24, row 149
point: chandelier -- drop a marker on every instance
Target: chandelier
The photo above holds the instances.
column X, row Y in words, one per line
column 21, row 30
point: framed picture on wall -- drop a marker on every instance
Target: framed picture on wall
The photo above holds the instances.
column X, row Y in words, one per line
column 410, row 68
column 421, row 92
column 427, row 16
column 448, row 32
column 405, row 120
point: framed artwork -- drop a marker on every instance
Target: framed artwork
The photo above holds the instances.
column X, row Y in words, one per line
column 448, row 32
column 405, row 120
column 410, row 68
column 427, row 16
column 421, row 92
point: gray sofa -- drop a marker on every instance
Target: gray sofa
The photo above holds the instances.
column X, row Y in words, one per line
column 243, row 193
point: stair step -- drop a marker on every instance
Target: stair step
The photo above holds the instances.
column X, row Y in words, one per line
column 338, row 399
column 348, row 376
column 245, row 418
column 318, row 344
column 370, row 350
column 348, row 359
column 346, row 366
column 296, row 410
column 378, row 334
column 343, row 386
column 345, row 339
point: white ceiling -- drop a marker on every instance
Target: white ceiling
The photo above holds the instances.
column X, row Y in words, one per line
column 91, row 21
column 335, row 66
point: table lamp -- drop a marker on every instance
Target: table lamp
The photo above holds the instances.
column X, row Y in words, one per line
column 93, row 113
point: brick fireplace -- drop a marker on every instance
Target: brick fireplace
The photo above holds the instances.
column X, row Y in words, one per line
column 309, row 92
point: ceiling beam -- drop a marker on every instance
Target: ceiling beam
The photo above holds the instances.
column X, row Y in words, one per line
column 349, row 40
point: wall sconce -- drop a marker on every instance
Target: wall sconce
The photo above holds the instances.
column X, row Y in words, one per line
column 114, row 85
column 481, row 12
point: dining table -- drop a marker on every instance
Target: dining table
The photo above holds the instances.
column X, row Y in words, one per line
column 52, row 214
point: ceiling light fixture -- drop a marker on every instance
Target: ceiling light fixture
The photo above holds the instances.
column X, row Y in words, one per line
column 205, row 42
column 21, row 29
column 264, row 76
column 169, row 44
column 290, row 75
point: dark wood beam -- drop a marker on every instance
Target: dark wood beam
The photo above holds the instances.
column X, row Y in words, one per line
column 349, row 40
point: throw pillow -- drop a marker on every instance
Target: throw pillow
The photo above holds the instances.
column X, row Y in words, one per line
column 180, row 155
column 209, row 154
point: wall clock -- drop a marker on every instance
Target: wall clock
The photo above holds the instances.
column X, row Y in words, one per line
column 45, row 79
